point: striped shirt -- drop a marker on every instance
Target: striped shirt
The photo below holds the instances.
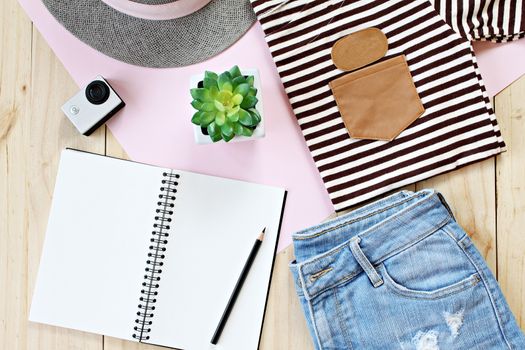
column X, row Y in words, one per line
column 458, row 126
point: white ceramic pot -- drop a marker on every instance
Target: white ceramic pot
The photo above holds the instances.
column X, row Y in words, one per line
column 259, row 132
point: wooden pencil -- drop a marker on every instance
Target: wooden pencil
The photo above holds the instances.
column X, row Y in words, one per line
column 238, row 287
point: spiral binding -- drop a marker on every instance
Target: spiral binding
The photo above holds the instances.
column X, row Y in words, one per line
column 157, row 249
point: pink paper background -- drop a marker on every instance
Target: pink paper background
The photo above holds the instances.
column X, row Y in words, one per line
column 154, row 126
column 499, row 68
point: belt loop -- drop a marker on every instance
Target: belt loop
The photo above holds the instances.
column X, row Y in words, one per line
column 445, row 204
column 363, row 261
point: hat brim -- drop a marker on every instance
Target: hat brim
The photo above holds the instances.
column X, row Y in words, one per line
column 155, row 43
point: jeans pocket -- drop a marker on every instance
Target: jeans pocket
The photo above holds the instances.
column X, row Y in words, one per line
column 379, row 101
column 442, row 292
column 434, row 268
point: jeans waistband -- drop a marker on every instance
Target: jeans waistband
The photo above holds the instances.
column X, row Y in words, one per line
column 324, row 257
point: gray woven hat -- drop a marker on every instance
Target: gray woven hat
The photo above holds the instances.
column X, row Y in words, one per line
column 155, row 33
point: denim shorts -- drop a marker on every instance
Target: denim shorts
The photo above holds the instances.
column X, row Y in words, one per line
column 400, row 273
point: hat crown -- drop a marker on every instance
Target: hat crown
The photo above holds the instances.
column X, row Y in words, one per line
column 157, row 9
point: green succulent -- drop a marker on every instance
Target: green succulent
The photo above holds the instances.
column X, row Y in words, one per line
column 225, row 105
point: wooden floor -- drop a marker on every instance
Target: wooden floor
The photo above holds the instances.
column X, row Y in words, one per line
column 488, row 198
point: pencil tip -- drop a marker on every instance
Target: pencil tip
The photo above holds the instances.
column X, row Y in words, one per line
column 261, row 236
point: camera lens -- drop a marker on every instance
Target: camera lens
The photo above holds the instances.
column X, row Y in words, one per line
column 97, row 92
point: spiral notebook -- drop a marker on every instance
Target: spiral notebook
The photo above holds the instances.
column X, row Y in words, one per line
column 151, row 255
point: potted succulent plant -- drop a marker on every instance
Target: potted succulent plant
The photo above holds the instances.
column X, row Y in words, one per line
column 227, row 106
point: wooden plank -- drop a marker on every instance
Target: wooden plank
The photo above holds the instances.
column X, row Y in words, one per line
column 33, row 131
column 15, row 75
column 284, row 324
column 113, row 148
column 510, row 181
column 49, row 132
column 471, row 195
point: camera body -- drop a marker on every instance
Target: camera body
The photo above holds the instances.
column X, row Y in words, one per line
column 93, row 106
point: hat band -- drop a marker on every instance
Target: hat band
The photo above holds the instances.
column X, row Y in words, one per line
column 172, row 10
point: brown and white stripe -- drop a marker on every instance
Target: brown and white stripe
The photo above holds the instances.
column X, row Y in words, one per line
column 458, row 126
column 494, row 20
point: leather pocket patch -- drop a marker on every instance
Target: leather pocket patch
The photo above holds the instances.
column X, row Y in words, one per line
column 359, row 49
column 378, row 102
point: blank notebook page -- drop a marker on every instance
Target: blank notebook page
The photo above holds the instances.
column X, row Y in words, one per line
column 97, row 243
column 97, row 239
column 215, row 225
